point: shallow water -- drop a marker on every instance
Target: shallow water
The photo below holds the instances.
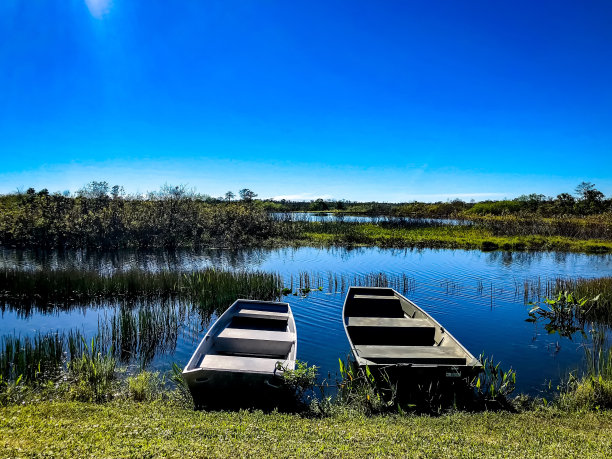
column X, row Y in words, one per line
column 477, row 296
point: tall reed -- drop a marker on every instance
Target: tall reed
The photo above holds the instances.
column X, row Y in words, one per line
column 209, row 288
column 31, row 357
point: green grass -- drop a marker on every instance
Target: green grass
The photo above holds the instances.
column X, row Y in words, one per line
column 447, row 236
column 162, row 429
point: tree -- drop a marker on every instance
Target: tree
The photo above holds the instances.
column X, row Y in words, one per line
column 591, row 199
column 318, row 205
column 94, row 190
column 246, row 194
column 117, row 191
column 229, row 196
column 565, row 202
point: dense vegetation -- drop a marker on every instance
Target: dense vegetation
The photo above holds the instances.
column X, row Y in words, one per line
column 100, row 217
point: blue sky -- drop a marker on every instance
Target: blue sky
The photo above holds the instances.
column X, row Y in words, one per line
column 362, row 100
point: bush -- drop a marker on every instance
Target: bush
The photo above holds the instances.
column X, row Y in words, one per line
column 587, row 394
column 144, row 387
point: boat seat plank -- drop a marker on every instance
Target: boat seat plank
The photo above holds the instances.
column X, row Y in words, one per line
column 388, row 322
column 373, row 297
column 259, row 335
column 411, row 354
column 249, row 313
column 239, row 363
column 374, row 306
column 252, row 341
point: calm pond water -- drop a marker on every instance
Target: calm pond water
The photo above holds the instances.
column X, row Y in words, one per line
column 340, row 217
column 477, row 296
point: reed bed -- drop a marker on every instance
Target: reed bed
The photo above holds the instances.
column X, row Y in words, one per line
column 30, row 358
column 141, row 334
column 209, row 288
column 213, row 289
column 333, row 282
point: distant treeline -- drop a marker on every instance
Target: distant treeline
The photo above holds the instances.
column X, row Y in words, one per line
column 102, row 216
column 586, row 200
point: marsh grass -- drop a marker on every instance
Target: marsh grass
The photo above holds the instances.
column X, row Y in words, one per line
column 209, row 288
column 333, row 282
column 592, row 390
column 92, row 373
column 591, row 227
column 213, row 289
column 487, row 234
column 138, row 334
column 31, row 358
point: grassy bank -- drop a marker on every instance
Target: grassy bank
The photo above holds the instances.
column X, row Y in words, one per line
column 163, row 429
column 446, row 236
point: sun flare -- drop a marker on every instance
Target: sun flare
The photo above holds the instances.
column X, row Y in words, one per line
column 98, row 8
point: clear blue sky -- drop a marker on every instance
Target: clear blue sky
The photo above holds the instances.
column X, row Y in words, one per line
column 364, row 100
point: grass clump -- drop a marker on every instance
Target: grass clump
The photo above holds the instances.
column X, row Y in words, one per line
column 92, row 374
column 593, row 391
column 144, row 386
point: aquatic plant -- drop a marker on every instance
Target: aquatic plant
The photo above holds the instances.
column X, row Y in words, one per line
column 31, row 358
column 566, row 314
column 592, row 389
column 493, row 385
column 92, row 374
column 360, row 390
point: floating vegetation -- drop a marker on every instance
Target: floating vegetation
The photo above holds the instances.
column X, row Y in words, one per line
column 566, row 314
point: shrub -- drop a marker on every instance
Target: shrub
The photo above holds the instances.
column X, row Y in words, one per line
column 144, row 387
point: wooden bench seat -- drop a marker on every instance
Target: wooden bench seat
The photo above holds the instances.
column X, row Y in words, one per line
column 410, row 354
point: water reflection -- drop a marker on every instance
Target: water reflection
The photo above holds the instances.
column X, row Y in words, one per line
column 478, row 296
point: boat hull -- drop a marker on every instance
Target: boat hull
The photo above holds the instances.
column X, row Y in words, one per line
column 389, row 333
column 241, row 359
